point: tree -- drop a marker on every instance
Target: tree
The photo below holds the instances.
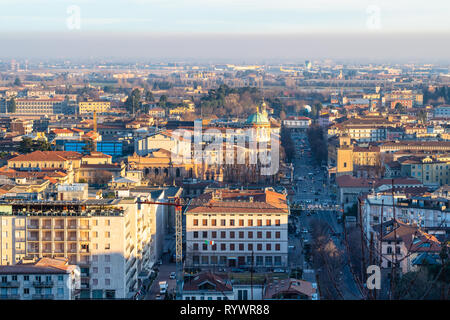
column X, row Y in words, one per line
column 133, row 101
column 162, row 101
column 89, row 146
column 17, row 82
column 12, row 105
column 422, row 116
column 28, row 145
column 400, row 108
column 149, row 96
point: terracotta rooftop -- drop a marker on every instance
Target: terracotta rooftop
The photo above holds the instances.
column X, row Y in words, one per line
column 239, row 201
column 47, row 156
column 42, row 266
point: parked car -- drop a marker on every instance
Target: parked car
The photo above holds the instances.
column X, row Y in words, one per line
column 173, row 275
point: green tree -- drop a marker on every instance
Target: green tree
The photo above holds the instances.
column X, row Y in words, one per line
column 17, row 82
column 162, row 101
column 12, row 105
column 133, row 101
column 89, row 146
column 149, row 96
column 400, row 108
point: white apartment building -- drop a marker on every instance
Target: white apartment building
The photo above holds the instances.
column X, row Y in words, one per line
column 48, row 279
column 426, row 212
column 237, row 228
column 109, row 239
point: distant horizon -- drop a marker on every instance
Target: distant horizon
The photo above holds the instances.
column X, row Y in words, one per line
column 358, row 47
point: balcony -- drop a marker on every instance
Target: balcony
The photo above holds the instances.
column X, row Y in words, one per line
column 47, row 226
column 58, row 226
column 85, row 227
column 42, row 296
column 47, row 238
column 9, row 297
column 72, row 226
column 59, row 239
column 9, row 284
column 43, row 284
column 33, row 226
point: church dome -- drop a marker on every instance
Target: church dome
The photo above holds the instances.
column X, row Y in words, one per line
column 258, row 118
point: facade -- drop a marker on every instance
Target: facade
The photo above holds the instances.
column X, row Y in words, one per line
column 299, row 123
column 40, row 106
column 110, row 240
column 91, row 106
column 237, row 228
column 49, row 279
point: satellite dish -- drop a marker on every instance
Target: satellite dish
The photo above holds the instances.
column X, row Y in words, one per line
column 307, row 107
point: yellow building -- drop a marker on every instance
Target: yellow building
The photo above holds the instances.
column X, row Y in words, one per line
column 91, row 106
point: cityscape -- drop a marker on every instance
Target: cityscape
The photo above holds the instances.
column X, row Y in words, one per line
column 268, row 178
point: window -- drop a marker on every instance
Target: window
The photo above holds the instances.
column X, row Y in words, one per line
column 26, row 278
column 241, row 247
column 277, row 247
column 232, row 234
column 214, row 234
column 278, row 234
column 241, row 234
column 259, row 247
column 241, row 222
column 223, row 247
column 250, row 222
column 195, row 246
column 195, row 222
column 214, row 248
column 205, row 234
column 268, row 246
column 222, row 222
column 107, row 270
column 107, row 234
column 259, row 234
column 60, row 278
column 195, row 234
column 205, row 247
column 268, row 222
column 250, row 246
column 223, row 234
column 95, row 270
column 26, row 291
column 205, row 222
column 107, row 282
column 268, row 234
column 213, row 222
column 277, row 222
column 231, row 246
column 108, row 222
column 250, row 234
column 108, row 258
column 231, row 222
column 259, row 223
column 107, row 246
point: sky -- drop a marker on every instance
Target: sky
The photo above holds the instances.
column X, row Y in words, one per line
column 103, row 27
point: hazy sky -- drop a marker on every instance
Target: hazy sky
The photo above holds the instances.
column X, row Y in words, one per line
column 178, row 28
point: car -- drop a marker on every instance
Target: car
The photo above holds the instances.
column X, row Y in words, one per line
column 279, row 270
column 173, row 275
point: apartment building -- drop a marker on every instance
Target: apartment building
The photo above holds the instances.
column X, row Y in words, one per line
column 91, row 106
column 426, row 212
column 237, row 228
column 109, row 239
column 429, row 170
column 44, row 279
column 34, row 106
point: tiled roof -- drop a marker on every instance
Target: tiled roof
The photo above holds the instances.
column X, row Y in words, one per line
column 47, row 156
column 239, row 201
column 42, row 266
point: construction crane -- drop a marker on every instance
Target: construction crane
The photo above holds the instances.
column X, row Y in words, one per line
column 95, row 130
column 178, row 240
